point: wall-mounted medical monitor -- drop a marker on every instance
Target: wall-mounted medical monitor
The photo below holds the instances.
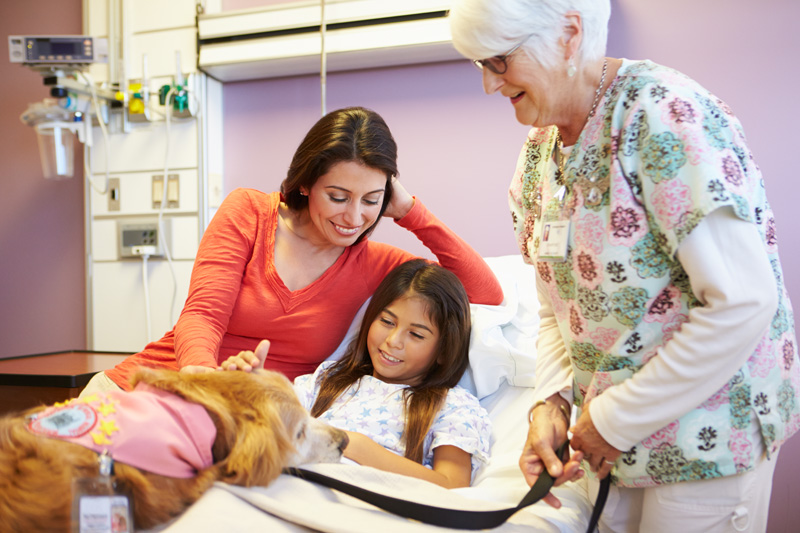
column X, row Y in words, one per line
column 50, row 49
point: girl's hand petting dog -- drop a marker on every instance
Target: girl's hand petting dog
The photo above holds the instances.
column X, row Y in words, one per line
column 247, row 360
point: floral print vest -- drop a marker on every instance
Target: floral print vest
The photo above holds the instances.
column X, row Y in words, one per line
column 660, row 154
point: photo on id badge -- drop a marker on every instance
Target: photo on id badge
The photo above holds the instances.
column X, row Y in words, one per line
column 553, row 244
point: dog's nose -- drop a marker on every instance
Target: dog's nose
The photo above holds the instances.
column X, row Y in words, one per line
column 344, row 442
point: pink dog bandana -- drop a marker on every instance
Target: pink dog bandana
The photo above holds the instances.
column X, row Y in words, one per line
column 148, row 428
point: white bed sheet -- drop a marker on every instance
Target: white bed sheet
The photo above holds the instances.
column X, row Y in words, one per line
column 502, row 367
column 293, row 505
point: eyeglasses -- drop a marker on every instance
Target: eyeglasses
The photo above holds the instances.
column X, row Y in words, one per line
column 497, row 64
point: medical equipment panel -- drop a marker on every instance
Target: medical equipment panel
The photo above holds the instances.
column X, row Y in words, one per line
column 50, row 49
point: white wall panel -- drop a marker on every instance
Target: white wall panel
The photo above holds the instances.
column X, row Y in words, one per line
column 144, row 147
column 105, row 245
column 96, row 17
column 116, row 306
column 151, row 15
column 160, row 48
column 119, row 302
column 136, row 193
column 184, row 237
column 159, row 28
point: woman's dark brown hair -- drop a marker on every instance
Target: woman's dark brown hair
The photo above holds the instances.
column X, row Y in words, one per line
column 352, row 134
column 448, row 309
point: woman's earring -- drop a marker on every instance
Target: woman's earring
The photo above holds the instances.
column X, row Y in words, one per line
column 571, row 70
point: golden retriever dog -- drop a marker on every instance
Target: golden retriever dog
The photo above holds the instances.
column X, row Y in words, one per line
column 254, row 427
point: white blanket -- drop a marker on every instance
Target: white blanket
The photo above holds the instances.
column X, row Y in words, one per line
column 291, row 504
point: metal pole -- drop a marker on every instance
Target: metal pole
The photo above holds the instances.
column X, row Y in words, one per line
column 323, row 67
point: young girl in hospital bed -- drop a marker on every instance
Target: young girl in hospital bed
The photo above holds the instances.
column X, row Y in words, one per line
column 395, row 391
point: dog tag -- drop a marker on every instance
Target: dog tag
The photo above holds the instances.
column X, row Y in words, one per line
column 98, row 506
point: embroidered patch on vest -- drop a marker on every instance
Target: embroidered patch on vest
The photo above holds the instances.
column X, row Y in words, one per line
column 68, row 421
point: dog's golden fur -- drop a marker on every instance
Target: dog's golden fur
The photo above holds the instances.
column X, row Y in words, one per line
column 261, row 428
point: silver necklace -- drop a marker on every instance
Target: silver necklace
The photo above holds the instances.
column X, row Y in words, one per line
column 599, row 88
column 559, row 142
column 559, row 160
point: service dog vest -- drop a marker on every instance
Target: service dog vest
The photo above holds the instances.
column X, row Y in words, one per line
column 148, row 428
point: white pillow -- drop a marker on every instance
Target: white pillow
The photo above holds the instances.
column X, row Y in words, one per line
column 503, row 340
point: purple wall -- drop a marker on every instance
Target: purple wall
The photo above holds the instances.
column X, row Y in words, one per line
column 42, row 300
column 458, row 147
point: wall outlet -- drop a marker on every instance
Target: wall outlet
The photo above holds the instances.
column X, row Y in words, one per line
column 140, row 238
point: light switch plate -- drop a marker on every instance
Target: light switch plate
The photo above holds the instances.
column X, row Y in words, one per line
column 113, row 194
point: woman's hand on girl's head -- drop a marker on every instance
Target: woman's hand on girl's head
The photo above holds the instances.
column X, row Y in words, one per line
column 401, row 202
column 247, row 360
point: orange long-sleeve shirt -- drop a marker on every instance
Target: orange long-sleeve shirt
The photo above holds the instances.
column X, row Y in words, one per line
column 236, row 297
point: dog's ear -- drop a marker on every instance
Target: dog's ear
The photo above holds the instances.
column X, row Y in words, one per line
column 260, row 451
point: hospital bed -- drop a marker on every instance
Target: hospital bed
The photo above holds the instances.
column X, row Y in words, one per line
column 501, row 374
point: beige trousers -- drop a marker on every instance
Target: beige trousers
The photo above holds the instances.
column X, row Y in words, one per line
column 99, row 383
column 728, row 504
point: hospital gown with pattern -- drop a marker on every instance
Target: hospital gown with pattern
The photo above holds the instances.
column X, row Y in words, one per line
column 377, row 409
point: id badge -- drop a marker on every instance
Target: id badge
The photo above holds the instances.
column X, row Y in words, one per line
column 99, row 505
column 554, row 240
column 105, row 514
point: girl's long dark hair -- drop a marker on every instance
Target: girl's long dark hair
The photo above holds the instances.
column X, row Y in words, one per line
column 448, row 309
column 352, row 134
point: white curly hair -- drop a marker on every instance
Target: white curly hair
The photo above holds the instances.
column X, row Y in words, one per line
column 486, row 28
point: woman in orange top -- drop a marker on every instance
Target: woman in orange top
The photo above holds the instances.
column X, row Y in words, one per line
column 295, row 267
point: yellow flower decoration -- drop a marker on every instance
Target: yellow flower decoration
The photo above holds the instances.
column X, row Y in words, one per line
column 108, row 426
column 65, row 402
column 90, row 399
column 100, row 438
column 106, row 408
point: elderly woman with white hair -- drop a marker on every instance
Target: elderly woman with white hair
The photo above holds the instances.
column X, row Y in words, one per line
column 664, row 316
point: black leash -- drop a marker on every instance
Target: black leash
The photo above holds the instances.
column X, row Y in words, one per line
column 453, row 518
